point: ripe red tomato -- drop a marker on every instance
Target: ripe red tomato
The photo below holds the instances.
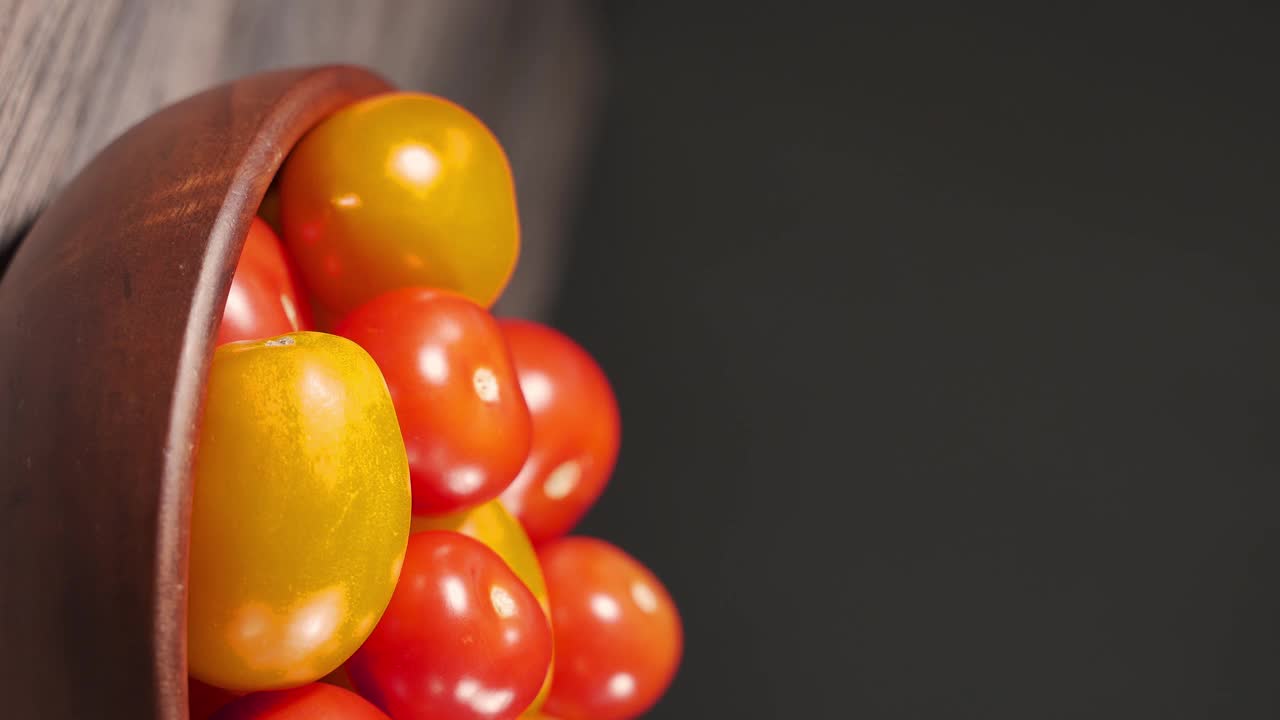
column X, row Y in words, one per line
column 575, row 430
column 617, row 633
column 317, row 701
column 266, row 297
column 464, row 420
column 462, row 639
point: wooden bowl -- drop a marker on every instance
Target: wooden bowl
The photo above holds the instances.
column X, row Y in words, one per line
column 107, row 317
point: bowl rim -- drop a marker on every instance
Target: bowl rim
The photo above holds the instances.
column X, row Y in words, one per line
column 108, row 313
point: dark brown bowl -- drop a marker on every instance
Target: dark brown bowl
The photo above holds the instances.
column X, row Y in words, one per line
column 107, row 317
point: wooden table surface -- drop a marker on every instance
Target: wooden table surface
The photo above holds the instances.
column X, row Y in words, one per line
column 74, row 74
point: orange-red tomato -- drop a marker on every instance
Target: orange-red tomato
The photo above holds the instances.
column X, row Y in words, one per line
column 617, row 633
column 266, row 297
column 317, row 701
column 491, row 524
column 463, row 638
column 400, row 190
column 575, row 430
column 464, row 420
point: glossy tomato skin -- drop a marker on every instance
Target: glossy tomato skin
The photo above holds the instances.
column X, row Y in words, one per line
column 316, row 701
column 576, row 430
column 300, row 511
column 266, row 297
column 400, row 190
column 617, row 632
column 463, row 637
column 491, row 524
column 466, row 427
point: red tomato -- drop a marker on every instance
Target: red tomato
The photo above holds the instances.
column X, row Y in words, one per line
column 464, row 420
column 617, row 633
column 266, row 297
column 575, row 430
column 317, row 701
column 462, row 639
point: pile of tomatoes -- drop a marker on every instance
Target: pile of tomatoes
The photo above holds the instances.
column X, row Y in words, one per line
column 386, row 473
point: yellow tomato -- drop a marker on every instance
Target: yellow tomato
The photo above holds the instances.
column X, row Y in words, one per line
column 397, row 191
column 300, row 516
column 491, row 524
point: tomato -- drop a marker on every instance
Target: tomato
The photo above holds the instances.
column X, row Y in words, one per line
column 617, row 633
column 492, row 525
column 462, row 639
column 300, row 511
column 465, row 424
column 575, row 430
column 266, row 298
column 309, row 702
column 204, row 700
column 400, row 190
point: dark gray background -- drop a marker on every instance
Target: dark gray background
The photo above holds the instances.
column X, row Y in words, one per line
column 947, row 349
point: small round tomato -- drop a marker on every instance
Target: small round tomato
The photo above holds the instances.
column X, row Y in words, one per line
column 266, row 298
column 400, row 190
column 617, row 633
column 465, row 424
column 575, row 430
column 492, row 525
column 316, row 701
column 300, row 511
column 463, row 638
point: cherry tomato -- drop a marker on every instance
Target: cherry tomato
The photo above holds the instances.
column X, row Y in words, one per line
column 617, row 633
column 492, row 525
column 300, row 514
column 400, row 190
column 575, row 430
column 465, row 424
column 462, row 639
column 204, row 700
column 316, row 701
column 266, row 297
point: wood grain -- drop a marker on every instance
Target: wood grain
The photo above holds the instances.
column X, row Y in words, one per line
column 107, row 319
column 74, row 74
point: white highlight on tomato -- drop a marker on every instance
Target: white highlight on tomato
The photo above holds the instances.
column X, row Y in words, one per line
column 415, row 163
column 605, row 607
column 486, row 384
column 536, row 389
column 433, row 365
column 622, row 684
column 644, row 597
column 561, row 481
column 503, row 604
column 290, row 310
column 481, row 699
column 455, row 595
